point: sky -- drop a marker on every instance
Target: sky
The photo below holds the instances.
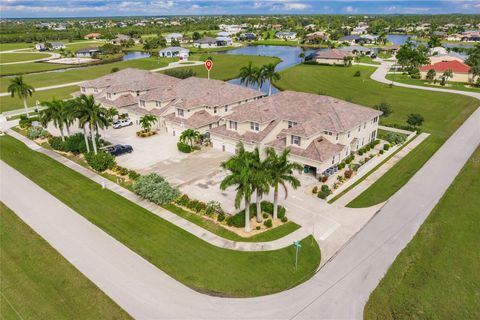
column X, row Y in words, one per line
column 99, row 8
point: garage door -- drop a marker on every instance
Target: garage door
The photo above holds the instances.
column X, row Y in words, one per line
column 219, row 144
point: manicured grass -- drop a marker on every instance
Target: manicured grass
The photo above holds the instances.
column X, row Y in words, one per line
column 75, row 75
column 436, row 276
column 74, row 46
column 443, row 113
column 227, row 66
column 16, row 57
column 38, row 283
column 188, row 259
column 8, row 103
column 269, row 235
column 30, row 67
column 367, row 59
column 15, row 45
column 403, row 78
column 207, row 50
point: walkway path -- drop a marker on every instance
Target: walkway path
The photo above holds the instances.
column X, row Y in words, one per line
column 180, row 222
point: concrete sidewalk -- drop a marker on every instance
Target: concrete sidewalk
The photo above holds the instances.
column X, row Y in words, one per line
column 180, row 222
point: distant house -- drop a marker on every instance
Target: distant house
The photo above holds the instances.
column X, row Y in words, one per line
column 224, row 34
column 276, row 26
column 206, row 42
column 352, row 39
column 310, row 27
column 224, row 41
column 92, row 36
column 286, row 35
column 40, row 46
column 450, row 56
column 461, row 71
column 174, row 36
column 173, row 52
column 331, row 56
column 368, row 38
column 87, row 52
column 316, row 36
column 392, row 49
column 122, row 37
column 438, row 50
column 248, row 36
column 54, row 46
column 355, row 49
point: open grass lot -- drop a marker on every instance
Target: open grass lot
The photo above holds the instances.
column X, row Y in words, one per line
column 227, row 66
column 183, row 256
column 443, row 114
column 54, row 78
column 436, row 276
column 30, row 67
column 8, row 103
column 75, row 45
column 17, row 57
column 16, row 45
column 419, row 82
column 38, row 283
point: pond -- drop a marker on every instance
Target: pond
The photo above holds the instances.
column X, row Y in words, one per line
column 132, row 55
column 289, row 56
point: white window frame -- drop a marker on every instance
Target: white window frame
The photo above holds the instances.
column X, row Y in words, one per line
column 233, row 125
column 142, row 103
column 180, row 112
column 294, row 139
column 291, row 124
column 254, row 126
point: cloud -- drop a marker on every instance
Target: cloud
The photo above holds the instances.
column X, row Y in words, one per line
column 350, row 9
column 289, row 6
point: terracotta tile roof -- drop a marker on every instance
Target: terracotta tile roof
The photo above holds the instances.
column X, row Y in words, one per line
column 121, row 102
column 442, row 66
column 332, row 54
column 248, row 136
column 197, row 120
column 312, row 113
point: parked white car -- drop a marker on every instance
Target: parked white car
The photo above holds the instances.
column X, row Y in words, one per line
column 122, row 123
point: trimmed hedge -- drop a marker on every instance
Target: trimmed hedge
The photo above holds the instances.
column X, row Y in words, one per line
column 155, row 188
column 183, row 147
column 100, row 161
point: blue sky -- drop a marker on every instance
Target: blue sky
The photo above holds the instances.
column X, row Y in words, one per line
column 93, row 8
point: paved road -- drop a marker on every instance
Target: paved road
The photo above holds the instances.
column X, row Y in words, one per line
column 338, row 291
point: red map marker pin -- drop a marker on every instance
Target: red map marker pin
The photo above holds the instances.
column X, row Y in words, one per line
column 208, row 64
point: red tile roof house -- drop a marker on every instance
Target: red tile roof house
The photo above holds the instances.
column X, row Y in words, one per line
column 461, row 71
column 319, row 130
column 93, row 36
column 331, row 56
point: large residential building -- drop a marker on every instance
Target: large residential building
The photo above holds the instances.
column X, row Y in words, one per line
column 331, row 56
column 460, row 70
column 319, row 130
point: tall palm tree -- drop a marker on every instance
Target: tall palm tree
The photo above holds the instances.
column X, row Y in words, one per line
column 56, row 112
column 111, row 114
column 92, row 114
column 240, row 167
column 70, row 116
column 21, row 89
column 281, row 172
column 260, row 181
column 259, row 77
column 247, row 74
column 147, row 121
column 191, row 136
column 271, row 75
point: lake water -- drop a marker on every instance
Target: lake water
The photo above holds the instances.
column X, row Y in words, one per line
column 289, row 56
column 135, row 55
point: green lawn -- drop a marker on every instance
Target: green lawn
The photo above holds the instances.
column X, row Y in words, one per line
column 8, row 103
column 54, row 78
column 188, row 259
column 16, row 45
column 17, row 57
column 74, row 46
column 367, row 59
column 270, row 235
column 227, row 66
column 30, row 67
column 443, row 114
column 403, row 78
column 437, row 275
column 38, row 283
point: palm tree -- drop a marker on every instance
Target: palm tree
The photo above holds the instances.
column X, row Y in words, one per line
column 260, row 181
column 70, row 115
column 111, row 114
column 240, row 167
column 56, row 112
column 191, row 136
column 247, row 74
column 281, row 172
column 258, row 77
column 347, row 61
column 147, row 121
column 270, row 74
column 302, row 56
column 21, row 89
column 92, row 114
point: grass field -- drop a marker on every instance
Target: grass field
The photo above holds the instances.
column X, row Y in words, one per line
column 8, row 103
column 16, row 45
column 227, row 66
column 30, row 67
column 443, row 114
column 403, row 78
column 38, row 283
column 17, row 57
column 188, row 259
column 436, row 276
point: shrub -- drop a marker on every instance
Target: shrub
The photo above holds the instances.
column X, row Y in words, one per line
column 415, row 119
column 357, row 74
column 325, row 188
column 75, row 144
column 384, row 107
column 238, row 220
column 56, row 143
column 183, row 147
column 100, row 161
column 221, row 217
column 181, row 74
column 348, row 174
column 184, row 200
column 348, row 160
column 284, row 219
column 265, row 215
column 324, row 179
column 386, row 146
column 133, row 175
column 115, row 69
column 24, row 121
column 155, row 188
column 322, row 195
column 36, row 132
column 315, row 189
column 257, row 227
column 268, row 223
column 123, row 171
column 381, row 152
column 395, row 138
column 213, row 207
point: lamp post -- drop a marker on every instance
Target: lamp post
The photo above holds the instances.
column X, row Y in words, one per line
column 297, row 246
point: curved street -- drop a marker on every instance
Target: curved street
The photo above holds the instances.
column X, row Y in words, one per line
column 339, row 290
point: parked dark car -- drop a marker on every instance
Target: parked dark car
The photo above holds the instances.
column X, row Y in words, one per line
column 119, row 149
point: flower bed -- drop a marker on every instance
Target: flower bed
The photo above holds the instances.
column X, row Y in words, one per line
column 145, row 134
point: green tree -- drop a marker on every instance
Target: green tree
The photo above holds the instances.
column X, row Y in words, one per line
column 241, row 175
column 447, row 74
column 196, row 36
column 271, row 75
column 92, row 114
column 19, row 88
column 111, row 113
column 434, row 41
column 474, row 61
column 347, row 61
column 56, row 112
column 280, row 171
column 191, row 136
column 415, row 119
column 302, row 56
column 260, row 180
column 247, row 74
column 147, row 121
column 385, row 108
column 431, row 74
